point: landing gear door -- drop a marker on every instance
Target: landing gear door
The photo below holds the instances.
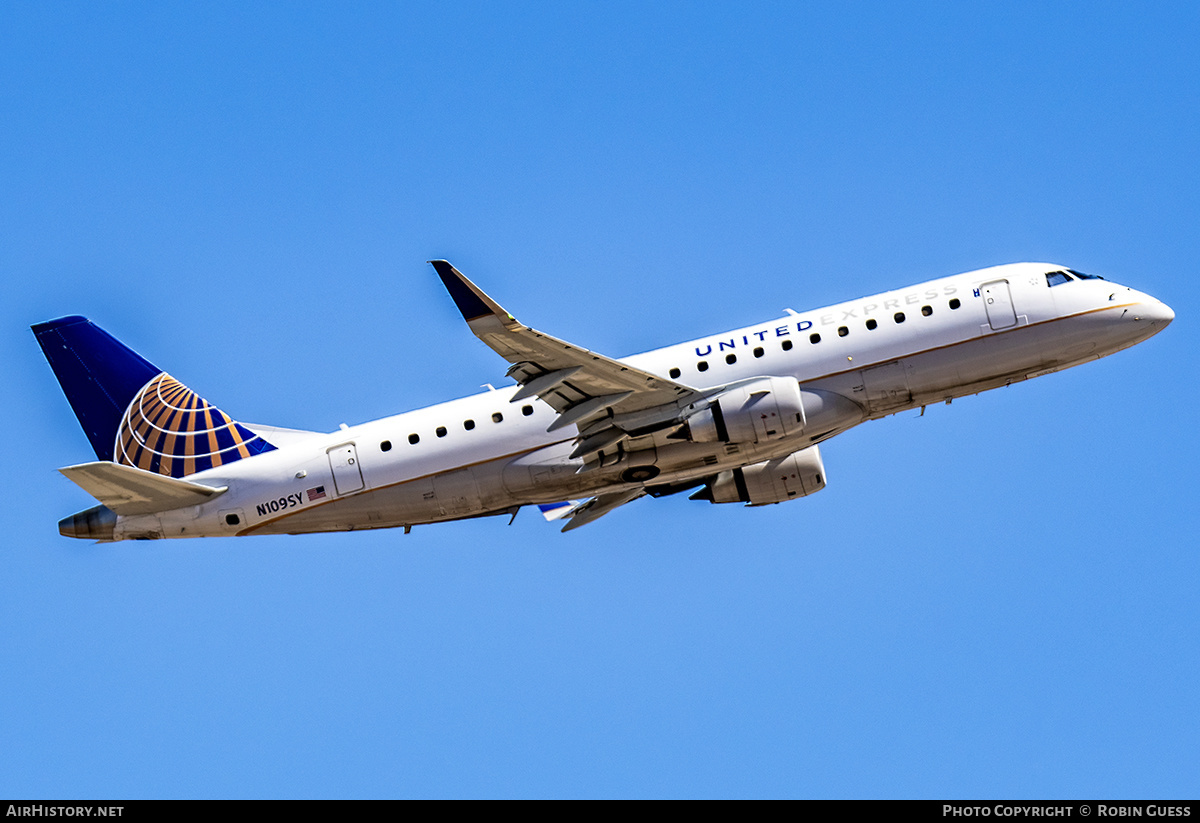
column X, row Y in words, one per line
column 997, row 299
column 347, row 476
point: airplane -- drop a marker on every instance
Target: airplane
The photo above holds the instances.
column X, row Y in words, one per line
column 738, row 417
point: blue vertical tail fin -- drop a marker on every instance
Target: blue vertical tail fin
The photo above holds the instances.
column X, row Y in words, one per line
column 134, row 413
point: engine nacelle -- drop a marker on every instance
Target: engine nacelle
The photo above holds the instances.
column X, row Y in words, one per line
column 772, row 481
column 763, row 410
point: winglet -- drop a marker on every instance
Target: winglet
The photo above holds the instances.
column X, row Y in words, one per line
column 469, row 298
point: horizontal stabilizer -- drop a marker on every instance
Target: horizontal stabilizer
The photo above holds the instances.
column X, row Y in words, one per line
column 127, row 490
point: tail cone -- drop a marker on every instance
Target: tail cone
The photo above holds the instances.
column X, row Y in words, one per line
column 97, row 523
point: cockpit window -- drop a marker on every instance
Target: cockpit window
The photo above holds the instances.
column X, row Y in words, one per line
column 1083, row 276
column 1056, row 278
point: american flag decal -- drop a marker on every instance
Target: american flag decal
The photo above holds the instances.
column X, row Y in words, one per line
column 316, row 494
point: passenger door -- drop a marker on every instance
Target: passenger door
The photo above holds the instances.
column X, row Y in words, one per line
column 997, row 299
column 347, row 476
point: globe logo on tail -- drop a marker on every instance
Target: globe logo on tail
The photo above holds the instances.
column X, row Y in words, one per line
column 169, row 429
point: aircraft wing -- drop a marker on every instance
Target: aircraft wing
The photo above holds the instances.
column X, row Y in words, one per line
column 584, row 387
column 594, row 508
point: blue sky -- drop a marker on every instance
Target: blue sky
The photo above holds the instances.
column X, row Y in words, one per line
column 997, row 599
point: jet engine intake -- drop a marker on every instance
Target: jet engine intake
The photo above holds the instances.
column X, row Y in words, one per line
column 759, row 411
column 772, row 481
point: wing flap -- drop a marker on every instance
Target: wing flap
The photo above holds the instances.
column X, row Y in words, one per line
column 127, row 490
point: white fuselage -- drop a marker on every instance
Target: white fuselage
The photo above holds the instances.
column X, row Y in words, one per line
column 860, row 360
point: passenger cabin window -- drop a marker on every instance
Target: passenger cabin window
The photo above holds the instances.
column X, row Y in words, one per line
column 786, row 345
column 843, row 331
column 385, row 446
column 675, row 373
column 927, row 310
column 497, row 418
column 871, row 324
column 1057, row 278
column 731, row 359
column 758, row 352
column 468, row 424
column 954, row 304
column 414, row 439
column 898, row 317
column 440, row 431
column 527, row 410
column 702, row 366
column 814, row 339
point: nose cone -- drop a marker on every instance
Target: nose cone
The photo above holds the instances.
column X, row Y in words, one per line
column 1157, row 312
